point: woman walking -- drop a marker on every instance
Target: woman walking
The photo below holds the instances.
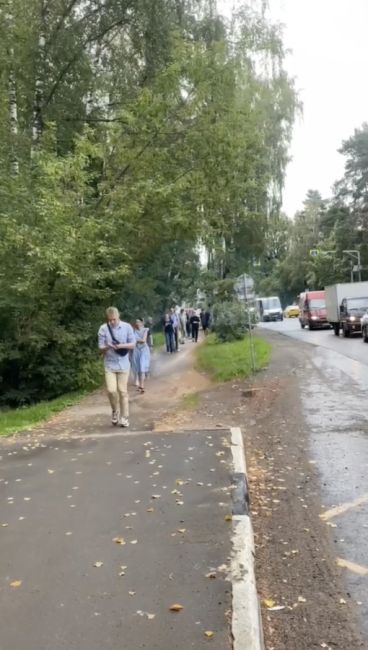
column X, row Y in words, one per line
column 141, row 357
column 169, row 333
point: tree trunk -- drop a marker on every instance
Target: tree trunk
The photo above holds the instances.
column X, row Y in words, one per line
column 37, row 121
column 90, row 101
column 12, row 92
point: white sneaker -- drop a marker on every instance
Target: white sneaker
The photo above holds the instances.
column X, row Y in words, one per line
column 114, row 418
column 123, row 422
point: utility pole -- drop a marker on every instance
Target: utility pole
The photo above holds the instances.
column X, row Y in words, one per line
column 251, row 341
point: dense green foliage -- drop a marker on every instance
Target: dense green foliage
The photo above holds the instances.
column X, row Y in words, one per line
column 331, row 226
column 230, row 320
column 131, row 134
column 225, row 361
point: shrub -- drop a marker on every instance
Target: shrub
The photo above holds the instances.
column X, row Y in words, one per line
column 231, row 320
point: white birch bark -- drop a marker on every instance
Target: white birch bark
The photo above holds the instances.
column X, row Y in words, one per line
column 12, row 90
column 37, row 120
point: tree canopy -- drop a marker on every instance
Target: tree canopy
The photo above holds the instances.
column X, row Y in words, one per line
column 331, row 226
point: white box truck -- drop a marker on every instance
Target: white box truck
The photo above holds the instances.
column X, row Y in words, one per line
column 345, row 305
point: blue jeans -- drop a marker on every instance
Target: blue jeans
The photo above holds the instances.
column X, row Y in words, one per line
column 170, row 341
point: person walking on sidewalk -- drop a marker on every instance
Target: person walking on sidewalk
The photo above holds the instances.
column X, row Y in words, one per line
column 115, row 339
column 206, row 321
column 182, row 325
column 175, row 323
column 169, row 333
column 141, row 357
column 194, row 321
column 187, row 324
column 150, row 332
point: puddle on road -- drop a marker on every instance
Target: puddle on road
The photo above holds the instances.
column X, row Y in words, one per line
column 334, row 400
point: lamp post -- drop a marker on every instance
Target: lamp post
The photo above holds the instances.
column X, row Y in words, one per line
column 355, row 254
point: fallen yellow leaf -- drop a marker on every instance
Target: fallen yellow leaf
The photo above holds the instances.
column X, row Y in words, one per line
column 228, row 517
column 16, row 583
column 119, row 540
column 268, row 602
column 182, row 530
column 176, row 607
column 209, row 634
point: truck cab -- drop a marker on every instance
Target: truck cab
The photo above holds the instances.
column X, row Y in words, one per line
column 351, row 312
column 312, row 306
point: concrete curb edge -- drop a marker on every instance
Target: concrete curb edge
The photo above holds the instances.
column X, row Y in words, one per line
column 246, row 615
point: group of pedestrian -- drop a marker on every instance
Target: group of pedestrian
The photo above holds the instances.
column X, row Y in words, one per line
column 124, row 347
column 184, row 323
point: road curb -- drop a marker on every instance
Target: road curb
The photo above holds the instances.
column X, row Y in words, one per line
column 246, row 615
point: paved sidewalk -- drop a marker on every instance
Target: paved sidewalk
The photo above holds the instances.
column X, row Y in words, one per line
column 164, row 496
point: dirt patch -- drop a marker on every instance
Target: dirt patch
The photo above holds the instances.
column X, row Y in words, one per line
column 295, row 558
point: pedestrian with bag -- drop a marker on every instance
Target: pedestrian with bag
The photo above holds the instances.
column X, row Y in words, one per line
column 115, row 340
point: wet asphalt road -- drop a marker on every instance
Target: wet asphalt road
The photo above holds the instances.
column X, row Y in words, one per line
column 66, row 584
column 334, row 386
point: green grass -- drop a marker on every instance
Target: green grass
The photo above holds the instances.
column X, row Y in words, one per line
column 27, row 417
column 158, row 339
column 224, row 361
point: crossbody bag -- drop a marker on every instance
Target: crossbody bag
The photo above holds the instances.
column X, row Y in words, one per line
column 121, row 351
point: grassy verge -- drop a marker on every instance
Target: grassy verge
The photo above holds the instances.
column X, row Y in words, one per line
column 158, row 339
column 27, row 417
column 224, row 361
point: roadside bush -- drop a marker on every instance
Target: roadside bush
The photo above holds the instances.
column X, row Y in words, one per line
column 231, row 321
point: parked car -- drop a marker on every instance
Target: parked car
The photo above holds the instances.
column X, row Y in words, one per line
column 292, row 311
column 312, row 305
column 346, row 305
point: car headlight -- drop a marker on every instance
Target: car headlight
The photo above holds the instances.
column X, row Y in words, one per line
column 352, row 318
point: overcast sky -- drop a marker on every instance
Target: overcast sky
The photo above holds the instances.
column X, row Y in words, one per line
column 329, row 60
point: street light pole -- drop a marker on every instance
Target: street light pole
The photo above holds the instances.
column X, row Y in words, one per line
column 355, row 254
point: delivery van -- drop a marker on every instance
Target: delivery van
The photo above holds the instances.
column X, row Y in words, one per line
column 312, row 310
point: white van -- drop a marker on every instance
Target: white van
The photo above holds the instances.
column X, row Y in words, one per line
column 269, row 308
